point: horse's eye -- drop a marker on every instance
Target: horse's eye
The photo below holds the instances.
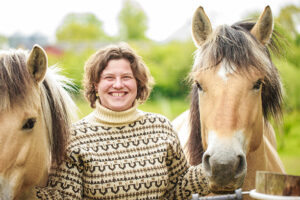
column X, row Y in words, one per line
column 257, row 85
column 199, row 86
column 29, row 124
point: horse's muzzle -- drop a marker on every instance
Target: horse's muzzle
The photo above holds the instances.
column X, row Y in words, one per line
column 225, row 172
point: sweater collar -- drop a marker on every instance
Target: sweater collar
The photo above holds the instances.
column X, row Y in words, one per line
column 106, row 116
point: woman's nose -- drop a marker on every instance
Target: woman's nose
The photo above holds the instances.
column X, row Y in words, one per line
column 118, row 83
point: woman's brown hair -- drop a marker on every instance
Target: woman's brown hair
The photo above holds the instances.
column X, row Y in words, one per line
column 98, row 61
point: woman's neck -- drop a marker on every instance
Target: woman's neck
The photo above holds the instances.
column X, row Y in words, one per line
column 106, row 116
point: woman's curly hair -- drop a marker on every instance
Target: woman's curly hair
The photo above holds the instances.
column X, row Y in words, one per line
column 98, row 61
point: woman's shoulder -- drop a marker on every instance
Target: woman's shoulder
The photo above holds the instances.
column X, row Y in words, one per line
column 80, row 124
column 82, row 127
column 156, row 118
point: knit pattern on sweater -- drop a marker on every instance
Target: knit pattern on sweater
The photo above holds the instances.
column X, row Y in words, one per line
column 139, row 160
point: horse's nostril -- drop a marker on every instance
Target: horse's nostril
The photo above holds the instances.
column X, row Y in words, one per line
column 241, row 165
column 206, row 164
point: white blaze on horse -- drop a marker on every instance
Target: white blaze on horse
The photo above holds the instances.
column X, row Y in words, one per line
column 35, row 113
column 236, row 88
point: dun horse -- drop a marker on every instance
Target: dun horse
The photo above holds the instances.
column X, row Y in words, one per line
column 34, row 121
column 236, row 88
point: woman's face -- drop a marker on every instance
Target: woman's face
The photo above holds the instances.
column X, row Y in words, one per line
column 117, row 87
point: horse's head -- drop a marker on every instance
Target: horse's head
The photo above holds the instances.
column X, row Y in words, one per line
column 236, row 87
column 29, row 107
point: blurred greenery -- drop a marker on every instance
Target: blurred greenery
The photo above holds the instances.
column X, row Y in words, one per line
column 3, row 40
column 80, row 27
column 132, row 21
column 72, row 63
column 170, row 63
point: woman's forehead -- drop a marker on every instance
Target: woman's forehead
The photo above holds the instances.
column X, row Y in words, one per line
column 119, row 66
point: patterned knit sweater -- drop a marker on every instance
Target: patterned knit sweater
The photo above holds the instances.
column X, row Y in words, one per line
column 124, row 155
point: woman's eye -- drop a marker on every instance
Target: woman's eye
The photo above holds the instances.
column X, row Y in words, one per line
column 257, row 85
column 29, row 124
column 127, row 77
column 109, row 78
column 199, row 86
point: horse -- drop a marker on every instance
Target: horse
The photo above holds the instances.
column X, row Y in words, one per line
column 35, row 116
column 235, row 90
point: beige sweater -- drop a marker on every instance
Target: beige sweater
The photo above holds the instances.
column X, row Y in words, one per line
column 124, row 155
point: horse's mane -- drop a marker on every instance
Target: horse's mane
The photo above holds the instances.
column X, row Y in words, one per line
column 58, row 107
column 236, row 46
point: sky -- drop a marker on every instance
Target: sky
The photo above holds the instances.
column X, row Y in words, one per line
column 164, row 16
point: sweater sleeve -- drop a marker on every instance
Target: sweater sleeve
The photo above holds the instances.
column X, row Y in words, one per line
column 184, row 180
column 65, row 181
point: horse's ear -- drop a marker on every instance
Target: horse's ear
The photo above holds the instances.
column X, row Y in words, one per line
column 201, row 26
column 264, row 26
column 37, row 63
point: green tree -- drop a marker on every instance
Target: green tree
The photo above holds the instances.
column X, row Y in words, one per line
column 80, row 27
column 169, row 65
column 3, row 40
column 289, row 18
column 132, row 21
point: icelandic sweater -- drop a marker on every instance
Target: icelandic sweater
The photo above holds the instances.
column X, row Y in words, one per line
column 124, row 155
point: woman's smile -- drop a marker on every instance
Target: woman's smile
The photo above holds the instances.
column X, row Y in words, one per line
column 118, row 94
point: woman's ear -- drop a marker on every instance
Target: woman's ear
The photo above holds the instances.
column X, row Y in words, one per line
column 95, row 86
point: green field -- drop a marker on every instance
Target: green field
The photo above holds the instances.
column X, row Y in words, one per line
column 289, row 145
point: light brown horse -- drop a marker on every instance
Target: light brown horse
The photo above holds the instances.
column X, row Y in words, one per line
column 236, row 88
column 34, row 121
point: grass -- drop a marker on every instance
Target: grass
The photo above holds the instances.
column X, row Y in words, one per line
column 289, row 146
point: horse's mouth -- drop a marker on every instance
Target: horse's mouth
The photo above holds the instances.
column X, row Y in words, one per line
column 229, row 189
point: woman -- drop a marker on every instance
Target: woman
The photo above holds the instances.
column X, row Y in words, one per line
column 118, row 151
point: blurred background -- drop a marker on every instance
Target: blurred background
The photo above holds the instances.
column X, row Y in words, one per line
column 70, row 31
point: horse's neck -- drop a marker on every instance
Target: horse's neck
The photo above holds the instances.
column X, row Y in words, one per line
column 181, row 126
column 265, row 158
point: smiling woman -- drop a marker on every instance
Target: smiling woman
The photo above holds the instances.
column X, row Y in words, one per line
column 119, row 151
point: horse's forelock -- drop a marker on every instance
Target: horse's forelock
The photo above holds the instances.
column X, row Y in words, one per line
column 15, row 80
column 235, row 45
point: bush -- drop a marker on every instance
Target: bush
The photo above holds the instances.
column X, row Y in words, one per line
column 169, row 64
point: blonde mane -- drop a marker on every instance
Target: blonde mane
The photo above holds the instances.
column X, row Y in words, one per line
column 58, row 108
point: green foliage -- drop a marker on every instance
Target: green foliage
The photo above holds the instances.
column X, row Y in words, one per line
column 72, row 64
column 294, row 52
column 132, row 21
column 288, row 141
column 289, row 17
column 290, row 78
column 3, row 40
column 83, row 27
column 169, row 65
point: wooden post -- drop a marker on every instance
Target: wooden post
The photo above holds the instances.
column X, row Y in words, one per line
column 277, row 184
